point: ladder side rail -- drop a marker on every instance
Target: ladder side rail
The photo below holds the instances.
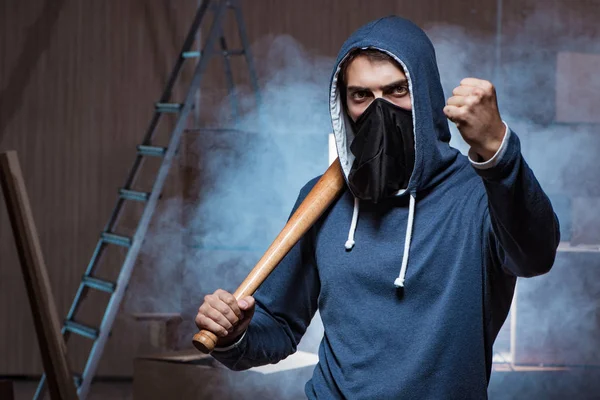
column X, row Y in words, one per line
column 131, row 177
column 187, row 45
column 127, row 267
column 247, row 52
column 229, row 77
column 41, row 388
column 116, row 213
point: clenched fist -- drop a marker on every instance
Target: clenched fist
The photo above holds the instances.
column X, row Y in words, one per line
column 224, row 316
column 474, row 109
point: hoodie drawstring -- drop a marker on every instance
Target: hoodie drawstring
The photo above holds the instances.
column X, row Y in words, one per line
column 399, row 282
column 350, row 241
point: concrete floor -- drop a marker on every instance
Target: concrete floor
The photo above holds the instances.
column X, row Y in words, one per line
column 579, row 384
column 24, row 389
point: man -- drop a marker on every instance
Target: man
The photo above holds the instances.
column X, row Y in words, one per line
column 413, row 297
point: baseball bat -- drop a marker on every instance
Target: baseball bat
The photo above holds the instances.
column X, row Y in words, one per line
column 326, row 190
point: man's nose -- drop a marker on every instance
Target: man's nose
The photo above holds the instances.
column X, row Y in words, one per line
column 378, row 94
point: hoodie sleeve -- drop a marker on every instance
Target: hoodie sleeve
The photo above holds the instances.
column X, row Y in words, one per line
column 524, row 225
column 285, row 304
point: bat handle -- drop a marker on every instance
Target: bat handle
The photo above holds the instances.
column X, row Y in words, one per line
column 205, row 341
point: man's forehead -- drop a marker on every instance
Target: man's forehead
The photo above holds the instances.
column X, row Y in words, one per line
column 367, row 73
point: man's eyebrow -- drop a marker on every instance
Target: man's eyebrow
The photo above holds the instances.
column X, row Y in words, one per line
column 397, row 83
column 357, row 89
column 392, row 85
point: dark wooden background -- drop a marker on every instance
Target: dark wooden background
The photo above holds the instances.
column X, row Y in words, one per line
column 77, row 84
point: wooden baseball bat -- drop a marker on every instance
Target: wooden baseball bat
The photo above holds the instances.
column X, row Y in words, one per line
column 327, row 189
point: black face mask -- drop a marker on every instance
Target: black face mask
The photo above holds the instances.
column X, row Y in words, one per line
column 384, row 147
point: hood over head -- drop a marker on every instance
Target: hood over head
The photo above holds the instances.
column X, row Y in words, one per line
column 412, row 49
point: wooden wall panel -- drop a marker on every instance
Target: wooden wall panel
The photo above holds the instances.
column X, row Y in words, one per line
column 322, row 27
column 77, row 86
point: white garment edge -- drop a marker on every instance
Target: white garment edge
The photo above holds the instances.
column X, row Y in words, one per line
column 231, row 346
column 350, row 242
column 399, row 282
column 492, row 162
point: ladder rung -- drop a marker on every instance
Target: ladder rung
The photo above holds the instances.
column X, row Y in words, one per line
column 190, row 54
column 152, row 151
column 99, row 284
column 168, row 107
column 81, row 329
column 116, row 239
column 133, row 195
column 228, row 53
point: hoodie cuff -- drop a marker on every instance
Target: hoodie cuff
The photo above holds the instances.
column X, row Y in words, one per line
column 231, row 346
column 507, row 163
column 492, row 162
column 230, row 356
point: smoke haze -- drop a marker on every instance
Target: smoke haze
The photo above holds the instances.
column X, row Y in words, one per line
column 248, row 181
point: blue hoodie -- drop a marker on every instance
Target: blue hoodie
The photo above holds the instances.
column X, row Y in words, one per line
column 461, row 232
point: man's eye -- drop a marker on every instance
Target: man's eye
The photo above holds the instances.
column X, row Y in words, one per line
column 359, row 95
column 400, row 90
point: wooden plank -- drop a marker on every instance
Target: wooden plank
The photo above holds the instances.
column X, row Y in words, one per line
column 45, row 316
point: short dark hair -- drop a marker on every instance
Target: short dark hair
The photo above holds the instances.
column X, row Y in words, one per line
column 372, row 54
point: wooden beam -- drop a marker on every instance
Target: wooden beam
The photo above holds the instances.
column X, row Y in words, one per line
column 45, row 316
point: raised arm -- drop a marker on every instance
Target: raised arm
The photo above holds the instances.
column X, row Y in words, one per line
column 522, row 220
